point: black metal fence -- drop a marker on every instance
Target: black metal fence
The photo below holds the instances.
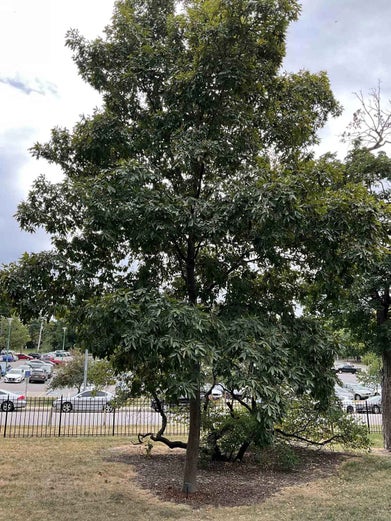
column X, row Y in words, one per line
column 50, row 417
column 53, row 417
column 368, row 414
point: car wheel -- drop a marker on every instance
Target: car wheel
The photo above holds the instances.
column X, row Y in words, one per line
column 7, row 406
column 108, row 408
column 349, row 409
column 357, row 397
column 66, row 407
column 376, row 409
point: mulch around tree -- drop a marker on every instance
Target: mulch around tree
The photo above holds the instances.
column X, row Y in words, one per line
column 223, row 484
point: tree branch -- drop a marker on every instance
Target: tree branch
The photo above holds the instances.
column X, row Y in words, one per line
column 306, row 440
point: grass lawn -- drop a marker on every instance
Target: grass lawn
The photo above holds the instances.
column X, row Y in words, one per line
column 79, row 479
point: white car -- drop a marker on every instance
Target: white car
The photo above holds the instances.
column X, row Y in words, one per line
column 10, row 401
column 14, row 375
column 90, row 400
column 360, row 392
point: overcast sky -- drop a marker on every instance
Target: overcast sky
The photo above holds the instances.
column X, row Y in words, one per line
column 39, row 86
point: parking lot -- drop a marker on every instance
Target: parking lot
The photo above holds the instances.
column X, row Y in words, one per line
column 28, row 388
column 41, row 415
column 41, row 389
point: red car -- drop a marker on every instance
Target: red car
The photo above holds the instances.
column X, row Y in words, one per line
column 23, row 356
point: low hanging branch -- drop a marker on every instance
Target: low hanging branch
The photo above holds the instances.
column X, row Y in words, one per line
column 336, row 437
column 159, row 435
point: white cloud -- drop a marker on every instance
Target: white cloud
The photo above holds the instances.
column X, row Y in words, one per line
column 348, row 39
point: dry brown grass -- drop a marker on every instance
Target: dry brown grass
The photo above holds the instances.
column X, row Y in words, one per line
column 84, row 479
column 68, row 479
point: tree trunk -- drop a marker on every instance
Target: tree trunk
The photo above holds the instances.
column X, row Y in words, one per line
column 193, row 442
column 382, row 317
column 386, row 399
column 193, row 446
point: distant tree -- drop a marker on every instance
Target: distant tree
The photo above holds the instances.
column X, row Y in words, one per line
column 372, row 376
column 49, row 335
column 99, row 373
column 348, row 345
column 17, row 333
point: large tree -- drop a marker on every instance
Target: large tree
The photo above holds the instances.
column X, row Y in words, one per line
column 191, row 219
column 366, row 308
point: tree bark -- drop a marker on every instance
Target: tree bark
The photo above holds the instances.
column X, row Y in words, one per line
column 193, row 441
column 386, row 399
column 193, row 446
column 382, row 317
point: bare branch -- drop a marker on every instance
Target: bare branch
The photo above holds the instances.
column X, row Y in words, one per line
column 371, row 125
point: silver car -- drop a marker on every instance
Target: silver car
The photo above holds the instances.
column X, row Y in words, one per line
column 10, row 401
column 39, row 364
column 372, row 405
column 86, row 401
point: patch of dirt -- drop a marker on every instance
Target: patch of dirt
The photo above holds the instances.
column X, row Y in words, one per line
column 223, row 484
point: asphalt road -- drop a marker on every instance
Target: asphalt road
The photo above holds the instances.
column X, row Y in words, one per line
column 41, row 389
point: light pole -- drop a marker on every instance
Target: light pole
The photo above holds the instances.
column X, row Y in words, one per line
column 9, row 338
column 40, row 334
column 85, row 369
column 63, row 339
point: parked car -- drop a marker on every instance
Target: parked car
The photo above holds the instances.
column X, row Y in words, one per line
column 215, row 393
column 37, row 356
column 23, row 356
column 14, row 375
column 90, row 400
column 61, row 353
column 10, row 401
column 346, row 368
column 61, row 358
column 39, row 364
column 47, row 356
column 38, row 376
column 360, row 392
column 371, row 405
column 182, row 400
column 25, row 367
column 54, row 361
column 345, row 398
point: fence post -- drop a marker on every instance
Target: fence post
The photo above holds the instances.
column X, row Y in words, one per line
column 6, row 418
column 59, row 420
column 367, row 412
column 114, row 421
